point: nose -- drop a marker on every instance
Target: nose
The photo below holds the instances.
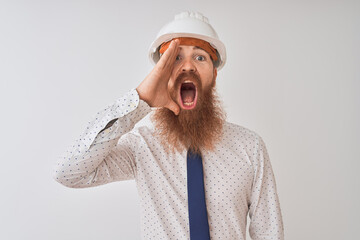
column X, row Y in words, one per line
column 188, row 65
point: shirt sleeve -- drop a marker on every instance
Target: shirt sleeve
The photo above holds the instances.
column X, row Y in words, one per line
column 265, row 214
column 97, row 157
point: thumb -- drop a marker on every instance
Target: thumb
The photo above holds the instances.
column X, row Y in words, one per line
column 173, row 107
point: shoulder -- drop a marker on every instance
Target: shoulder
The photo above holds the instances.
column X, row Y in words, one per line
column 242, row 139
column 239, row 132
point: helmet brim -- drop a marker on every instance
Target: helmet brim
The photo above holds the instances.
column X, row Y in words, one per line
column 217, row 44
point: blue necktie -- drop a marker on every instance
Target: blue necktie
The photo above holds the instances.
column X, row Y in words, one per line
column 198, row 220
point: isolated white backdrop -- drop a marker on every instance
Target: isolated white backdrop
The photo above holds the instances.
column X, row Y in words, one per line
column 292, row 75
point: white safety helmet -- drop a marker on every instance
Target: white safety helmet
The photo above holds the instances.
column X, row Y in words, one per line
column 189, row 24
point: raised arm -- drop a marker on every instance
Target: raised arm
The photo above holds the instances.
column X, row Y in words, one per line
column 100, row 155
column 96, row 157
column 264, row 212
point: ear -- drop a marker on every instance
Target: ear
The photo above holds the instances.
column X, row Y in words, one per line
column 215, row 75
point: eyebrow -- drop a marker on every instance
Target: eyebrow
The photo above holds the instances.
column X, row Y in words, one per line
column 195, row 47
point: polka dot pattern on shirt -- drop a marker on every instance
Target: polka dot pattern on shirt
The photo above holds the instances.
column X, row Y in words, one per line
column 238, row 176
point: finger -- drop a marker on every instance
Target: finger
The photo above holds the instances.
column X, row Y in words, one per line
column 172, row 58
column 172, row 106
column 170, row 63
column 168, row 54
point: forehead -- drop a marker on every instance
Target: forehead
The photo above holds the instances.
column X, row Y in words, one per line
column 187, row 47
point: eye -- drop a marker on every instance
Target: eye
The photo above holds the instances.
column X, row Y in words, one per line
column 177, row 57
column 200, row 58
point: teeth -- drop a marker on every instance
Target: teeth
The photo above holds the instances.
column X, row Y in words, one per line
column 188, row 104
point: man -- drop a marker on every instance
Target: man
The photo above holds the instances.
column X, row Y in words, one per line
column 233, row 176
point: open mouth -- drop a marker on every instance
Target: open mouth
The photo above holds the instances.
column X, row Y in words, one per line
column 188, row 95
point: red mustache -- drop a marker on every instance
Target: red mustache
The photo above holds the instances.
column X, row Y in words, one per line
column 187, row 75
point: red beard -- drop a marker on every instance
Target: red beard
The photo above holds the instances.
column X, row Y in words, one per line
column 197, row 129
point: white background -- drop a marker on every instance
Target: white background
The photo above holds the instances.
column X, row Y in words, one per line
column 292, row 75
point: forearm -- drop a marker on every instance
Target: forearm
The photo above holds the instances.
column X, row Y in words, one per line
column 91, row 161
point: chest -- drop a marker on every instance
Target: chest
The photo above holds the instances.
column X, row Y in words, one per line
column 228, row 176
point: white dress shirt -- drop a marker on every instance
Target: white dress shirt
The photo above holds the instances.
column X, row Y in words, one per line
column 238, row 176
